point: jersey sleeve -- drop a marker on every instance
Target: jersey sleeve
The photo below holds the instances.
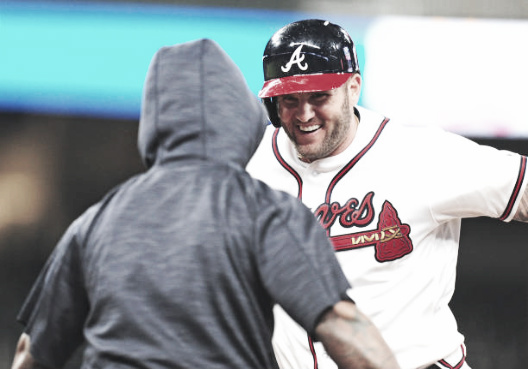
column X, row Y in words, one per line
column 297, row 263
column 472, row 180
column 55, row 310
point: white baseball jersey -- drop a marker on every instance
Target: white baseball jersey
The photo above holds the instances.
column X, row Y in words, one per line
column 392, row 204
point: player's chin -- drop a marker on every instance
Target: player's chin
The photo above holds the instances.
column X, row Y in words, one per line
column 310, row 152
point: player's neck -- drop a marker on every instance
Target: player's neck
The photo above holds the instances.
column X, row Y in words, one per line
column 349, row 138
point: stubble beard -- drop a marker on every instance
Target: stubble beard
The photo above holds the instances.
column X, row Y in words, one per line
column 330, row 143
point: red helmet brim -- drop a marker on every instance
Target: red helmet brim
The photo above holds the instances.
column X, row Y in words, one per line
column 303, row 83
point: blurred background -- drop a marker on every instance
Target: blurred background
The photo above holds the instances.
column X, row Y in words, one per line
column 71, row 77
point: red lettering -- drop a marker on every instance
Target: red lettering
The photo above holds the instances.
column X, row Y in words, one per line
column 351, row 214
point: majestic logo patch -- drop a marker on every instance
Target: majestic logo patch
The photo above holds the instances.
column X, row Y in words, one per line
column 391, row 238
column 296, row 58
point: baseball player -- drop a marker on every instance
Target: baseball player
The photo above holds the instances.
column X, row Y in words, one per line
column 390, row 196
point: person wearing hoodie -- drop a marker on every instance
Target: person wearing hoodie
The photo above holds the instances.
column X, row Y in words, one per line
column 180, row 266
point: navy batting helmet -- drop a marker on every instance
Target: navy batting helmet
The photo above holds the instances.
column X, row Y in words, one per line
column 306, row 56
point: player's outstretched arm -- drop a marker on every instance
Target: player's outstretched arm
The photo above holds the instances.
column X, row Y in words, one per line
column 352, row 340
column 522, row 212
column 23, row 358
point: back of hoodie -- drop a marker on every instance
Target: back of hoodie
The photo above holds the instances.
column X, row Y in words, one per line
column 180, row 266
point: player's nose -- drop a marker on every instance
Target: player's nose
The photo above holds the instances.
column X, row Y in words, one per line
column 304, row 112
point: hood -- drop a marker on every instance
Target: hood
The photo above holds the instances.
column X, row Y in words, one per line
column 197, row 105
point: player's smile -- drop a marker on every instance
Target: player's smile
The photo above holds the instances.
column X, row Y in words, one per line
column 307, row 136
column 309, row 128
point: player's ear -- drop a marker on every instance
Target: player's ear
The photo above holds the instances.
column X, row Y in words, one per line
column 353, row 88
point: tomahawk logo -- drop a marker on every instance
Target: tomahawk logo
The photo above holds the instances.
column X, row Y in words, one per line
column 296, row 58
column 390, row 239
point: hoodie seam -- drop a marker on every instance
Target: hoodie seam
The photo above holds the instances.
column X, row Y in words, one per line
column 155, row 94
column 160, row 153
column 203, row 102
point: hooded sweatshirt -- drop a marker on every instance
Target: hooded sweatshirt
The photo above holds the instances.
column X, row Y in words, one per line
column 180, row 266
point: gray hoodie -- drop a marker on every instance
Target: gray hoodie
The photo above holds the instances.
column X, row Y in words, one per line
column 180, row 266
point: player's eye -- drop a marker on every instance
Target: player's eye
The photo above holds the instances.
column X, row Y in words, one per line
column 288, row 101
column 319, row 97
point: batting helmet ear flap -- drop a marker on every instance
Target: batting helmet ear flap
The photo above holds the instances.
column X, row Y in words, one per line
column 273, row 114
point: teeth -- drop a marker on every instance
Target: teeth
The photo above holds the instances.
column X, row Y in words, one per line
column 309, row 128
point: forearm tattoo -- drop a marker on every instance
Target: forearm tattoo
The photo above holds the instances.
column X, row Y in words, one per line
column 522, row 212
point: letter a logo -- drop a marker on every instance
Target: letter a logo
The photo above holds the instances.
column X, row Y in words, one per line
column 296, row 58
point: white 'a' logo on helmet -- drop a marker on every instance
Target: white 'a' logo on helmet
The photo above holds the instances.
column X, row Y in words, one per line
column 296, row 58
